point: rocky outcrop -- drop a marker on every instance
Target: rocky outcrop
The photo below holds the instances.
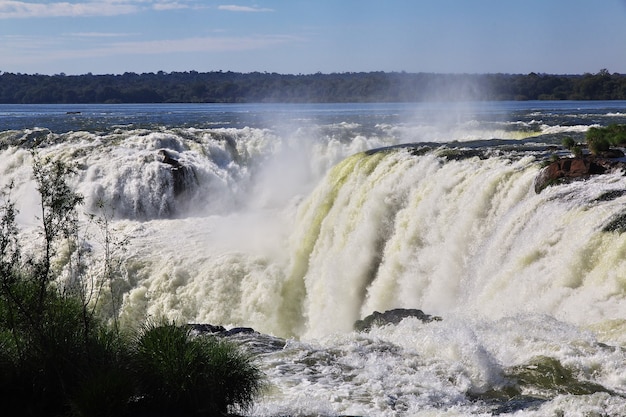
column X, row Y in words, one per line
column 568, row 169
column 394, row 316
column 167, row 157
column 254, row 341
column 220, row 330
column 182, row 175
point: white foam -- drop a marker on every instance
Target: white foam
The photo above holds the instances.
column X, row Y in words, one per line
column 300, row 235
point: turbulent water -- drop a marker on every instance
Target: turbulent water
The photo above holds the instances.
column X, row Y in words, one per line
column 299, row 220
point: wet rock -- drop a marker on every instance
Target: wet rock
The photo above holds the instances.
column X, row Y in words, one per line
column 167, row 157
column 239, row 330
column 394, row 316
column 616, row 224
column 220, row 330
column 546, row 377
column 568, row 169
column 611, row 154
column 254, row 341
column 207, row 328
column 183, row 175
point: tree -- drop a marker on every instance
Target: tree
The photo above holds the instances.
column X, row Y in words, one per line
column 231, row 87
column 48, row 338
column 59, row 215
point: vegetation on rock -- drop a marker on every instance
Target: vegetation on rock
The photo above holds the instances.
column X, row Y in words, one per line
column 600, row 139
column 604, row 158
column 573, row 146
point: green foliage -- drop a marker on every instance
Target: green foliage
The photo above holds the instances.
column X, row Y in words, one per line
column 59, row 216
column 9, row 244
column 600, row 139
column 233, row 87
column 107, row 288
column 615, row 134
column 48, row 348
column 596, row 140
column 106, row 385
column 598, row 145
column 104, row 392
column 48, row 338
column 178, row 373
column 57, row 357
column 568, row 142
column 58, row 200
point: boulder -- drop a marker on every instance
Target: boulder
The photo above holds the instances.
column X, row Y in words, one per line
column 394, row 316
column 254, row 341
column 167, row 157
column 611, row 153
column 239, row 330
column 182, row 175
column 203, row 328
column 565, row 170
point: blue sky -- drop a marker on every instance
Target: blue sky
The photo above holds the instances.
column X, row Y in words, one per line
column 302, row 36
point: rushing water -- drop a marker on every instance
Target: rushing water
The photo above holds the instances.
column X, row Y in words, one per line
column 297, row 220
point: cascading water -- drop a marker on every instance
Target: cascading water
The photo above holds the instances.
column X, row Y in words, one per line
column 389, row 229
column 299, row 229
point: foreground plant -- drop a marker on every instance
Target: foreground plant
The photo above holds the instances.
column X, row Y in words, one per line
column 184, row 375
column 58, row 357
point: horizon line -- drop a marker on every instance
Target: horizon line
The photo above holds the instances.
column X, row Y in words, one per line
column 401, row 72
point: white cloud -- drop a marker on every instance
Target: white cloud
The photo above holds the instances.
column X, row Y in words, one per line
column 198, row 44
column 15, row 9
column 19, row 9
column 14, row 45
column 37, row 49
column 233, row 8
column 169, row 5
column 98, row 34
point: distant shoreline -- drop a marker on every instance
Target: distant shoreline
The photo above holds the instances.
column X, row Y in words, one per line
column 257, row 87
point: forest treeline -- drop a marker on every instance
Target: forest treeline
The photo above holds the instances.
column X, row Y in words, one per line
column 257, row 87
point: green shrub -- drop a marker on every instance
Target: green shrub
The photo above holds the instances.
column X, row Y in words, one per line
column 104, row 391
column 577, row 150
column 573, row 146
column 616, row 134
column 179, row 374
column 47, row 335
column 597, row 143
column 568, row 142
column 600, row 139
column 8, row 367
column 47, row 357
